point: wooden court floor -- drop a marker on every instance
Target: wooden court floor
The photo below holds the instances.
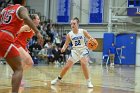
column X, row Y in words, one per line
column 120, row 79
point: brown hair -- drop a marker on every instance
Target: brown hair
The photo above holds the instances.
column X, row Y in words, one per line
column 77, row 19
column 33, row 16
column 19, row 1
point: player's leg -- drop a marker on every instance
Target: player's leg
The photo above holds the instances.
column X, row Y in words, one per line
column 68, row 65
column 84, row 58
column 12, row 56
column 64, row 70
column 84, row 65
column 14, row 60
column 27, row 61
column 85, row 68
column 72, row 59
column 111, row 60
column 15, row 64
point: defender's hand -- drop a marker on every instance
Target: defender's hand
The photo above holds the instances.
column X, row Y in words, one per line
column 62, row 50
column 40, row 38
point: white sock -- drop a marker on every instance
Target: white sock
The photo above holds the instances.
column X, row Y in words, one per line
column 88, row 80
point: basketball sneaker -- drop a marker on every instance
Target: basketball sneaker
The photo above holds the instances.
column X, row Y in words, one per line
column 89, row 84
column 53, row 82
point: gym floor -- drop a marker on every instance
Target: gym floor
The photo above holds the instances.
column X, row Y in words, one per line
column 117, row 79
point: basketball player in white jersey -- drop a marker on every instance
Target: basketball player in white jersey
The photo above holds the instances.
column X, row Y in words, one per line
column 79, row 51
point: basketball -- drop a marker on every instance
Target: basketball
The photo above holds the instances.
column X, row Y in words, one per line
column 92, row 44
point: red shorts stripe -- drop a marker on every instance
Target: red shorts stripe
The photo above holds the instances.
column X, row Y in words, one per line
column 5, row 42
column 18, row 45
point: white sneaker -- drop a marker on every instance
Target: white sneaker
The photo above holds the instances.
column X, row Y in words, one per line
column 89, row 84
column 53, row 82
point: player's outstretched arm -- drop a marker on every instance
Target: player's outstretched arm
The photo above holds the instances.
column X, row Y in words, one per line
column 23, row 14
column 66, row 43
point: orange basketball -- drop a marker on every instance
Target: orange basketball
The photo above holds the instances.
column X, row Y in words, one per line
column 92, row 44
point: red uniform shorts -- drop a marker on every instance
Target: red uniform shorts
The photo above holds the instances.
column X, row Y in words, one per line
column 18, row 45
column 7, row 47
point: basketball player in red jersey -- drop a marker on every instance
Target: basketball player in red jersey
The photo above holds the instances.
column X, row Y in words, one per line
column 21, row 41
column 12, row 18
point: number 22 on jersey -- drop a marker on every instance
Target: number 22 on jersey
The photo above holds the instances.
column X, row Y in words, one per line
column 77, row 42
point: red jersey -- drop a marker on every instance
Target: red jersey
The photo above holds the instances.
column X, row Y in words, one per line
column 23, row 38
column 10, row 20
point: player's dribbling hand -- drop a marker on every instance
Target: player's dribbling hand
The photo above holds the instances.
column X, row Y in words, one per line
column 91, row 39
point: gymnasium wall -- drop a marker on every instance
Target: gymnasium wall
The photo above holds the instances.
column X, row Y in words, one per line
column 138, row 51
column 39, row 6
column 79, row 8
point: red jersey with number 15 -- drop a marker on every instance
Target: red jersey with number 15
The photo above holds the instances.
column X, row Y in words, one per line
column 10, row 20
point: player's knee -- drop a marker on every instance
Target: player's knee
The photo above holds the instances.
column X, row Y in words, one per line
column 84, row 62
column 18, row 69
column 29, row 61
column 83, row 59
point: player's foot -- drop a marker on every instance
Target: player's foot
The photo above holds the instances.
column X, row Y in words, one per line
column 53, row 82
column 111, row 64
column 89, row 84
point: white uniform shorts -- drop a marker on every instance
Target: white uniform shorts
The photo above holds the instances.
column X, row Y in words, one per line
column 77, row 54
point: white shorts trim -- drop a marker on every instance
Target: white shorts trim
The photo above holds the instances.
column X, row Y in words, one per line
column 77, row 54
column 8, row 50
